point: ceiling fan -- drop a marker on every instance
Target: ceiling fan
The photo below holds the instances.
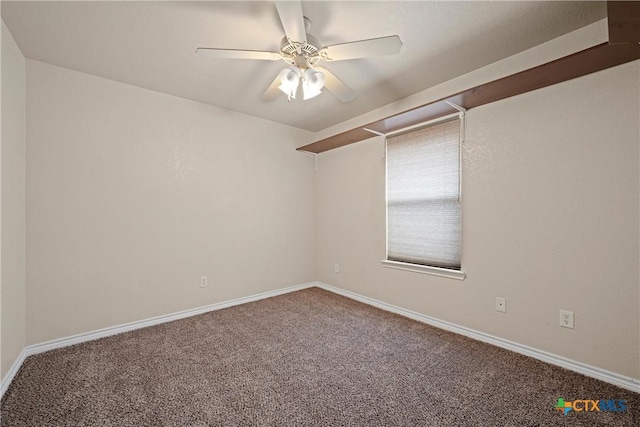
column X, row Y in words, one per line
column 302, row 52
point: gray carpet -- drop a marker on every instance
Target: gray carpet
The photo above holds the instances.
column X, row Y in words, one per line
column 306, row 358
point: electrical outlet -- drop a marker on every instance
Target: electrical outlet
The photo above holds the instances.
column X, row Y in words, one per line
column 336, row 268
column 501, row 304
column 203, row 281
column 566, row 319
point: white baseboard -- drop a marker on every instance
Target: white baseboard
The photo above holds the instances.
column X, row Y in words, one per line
column 113, row 330
column 627, row 383
column 622, row 381
column 11, row 374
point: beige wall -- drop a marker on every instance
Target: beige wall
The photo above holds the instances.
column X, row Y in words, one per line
column 133, row 195
column 550, row 221
column 12, row 248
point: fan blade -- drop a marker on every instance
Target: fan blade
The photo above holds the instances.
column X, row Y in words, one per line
column 272, row 91
column 390, row 45
column 292, row 20
column 336, row 86
column 238, row 54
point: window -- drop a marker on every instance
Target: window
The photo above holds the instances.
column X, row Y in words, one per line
column 424, row 221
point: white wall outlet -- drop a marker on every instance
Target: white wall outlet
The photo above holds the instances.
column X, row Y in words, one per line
column 566, row 319
column 501, row 304
column 203, row 281
column 336, row 268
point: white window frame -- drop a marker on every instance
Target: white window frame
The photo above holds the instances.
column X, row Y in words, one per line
column 419, row 268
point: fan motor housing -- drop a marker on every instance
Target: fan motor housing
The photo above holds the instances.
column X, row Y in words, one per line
column 293, row 49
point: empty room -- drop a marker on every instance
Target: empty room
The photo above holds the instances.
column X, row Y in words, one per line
column 283, row 213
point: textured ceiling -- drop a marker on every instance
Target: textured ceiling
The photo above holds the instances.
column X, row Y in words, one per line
column 152, row 44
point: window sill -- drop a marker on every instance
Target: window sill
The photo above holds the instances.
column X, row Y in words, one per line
column 425, row 269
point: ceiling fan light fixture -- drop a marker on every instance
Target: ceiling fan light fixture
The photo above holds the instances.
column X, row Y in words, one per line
column 313, row 82
column 289, row 80
column 302, row 52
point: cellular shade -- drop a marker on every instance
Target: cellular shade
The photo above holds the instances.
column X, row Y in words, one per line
column 424, row 223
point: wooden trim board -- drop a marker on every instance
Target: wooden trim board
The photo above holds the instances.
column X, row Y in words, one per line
column 624, row 21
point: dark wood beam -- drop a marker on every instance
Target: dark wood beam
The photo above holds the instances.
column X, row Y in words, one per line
column 337, row 141
column 585, row 62
column 624, row 21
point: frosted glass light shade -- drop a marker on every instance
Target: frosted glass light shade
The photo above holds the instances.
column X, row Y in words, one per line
column 313, row 82
column 289, row 79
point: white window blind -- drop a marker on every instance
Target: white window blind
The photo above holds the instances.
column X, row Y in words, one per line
column 423, row 196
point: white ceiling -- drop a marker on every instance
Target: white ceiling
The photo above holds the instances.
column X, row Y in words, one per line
column 152, row 45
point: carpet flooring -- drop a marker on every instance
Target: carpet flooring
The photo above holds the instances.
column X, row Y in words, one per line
column 302, row 359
